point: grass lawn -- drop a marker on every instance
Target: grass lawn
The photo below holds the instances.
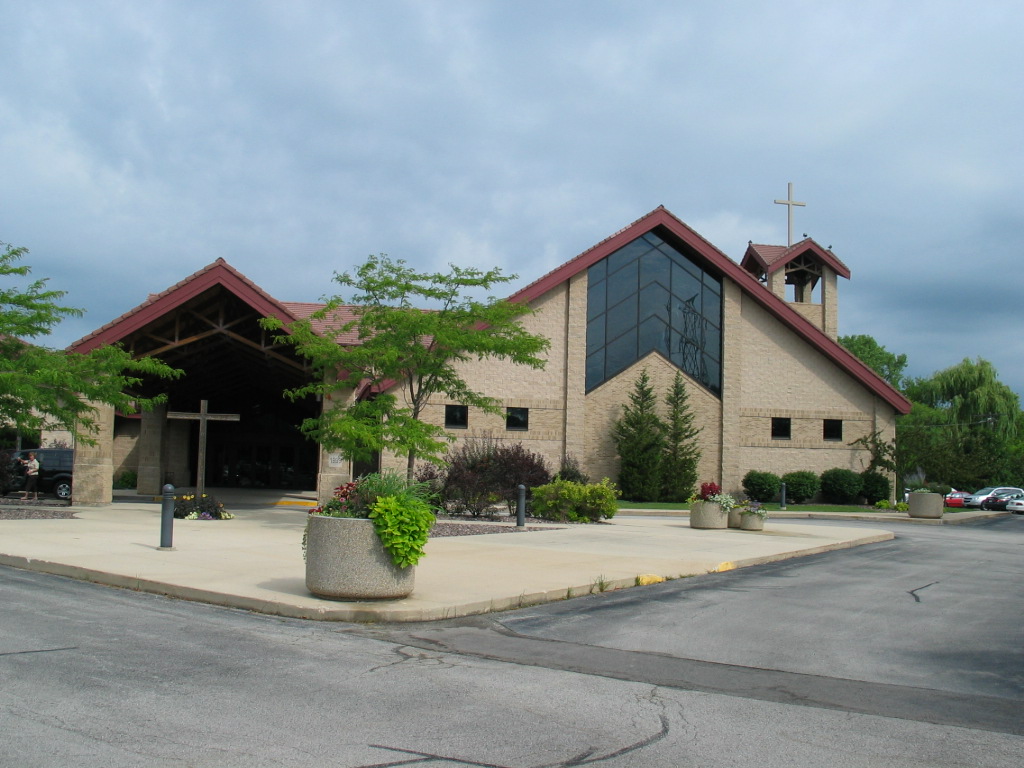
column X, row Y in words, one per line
column 851, row 508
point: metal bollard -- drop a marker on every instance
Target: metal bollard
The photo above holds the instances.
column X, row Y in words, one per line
column 167, row 518
column 782, row 506
column 521, row 507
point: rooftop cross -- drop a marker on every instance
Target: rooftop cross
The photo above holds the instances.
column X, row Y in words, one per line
column 789, row 202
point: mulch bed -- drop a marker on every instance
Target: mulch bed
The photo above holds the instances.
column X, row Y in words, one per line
column 24, row 511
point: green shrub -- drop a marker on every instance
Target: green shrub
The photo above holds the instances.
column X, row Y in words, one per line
column 565, row 500
column 761, row 486
column 883, row 504
column 800, row 486
column 841, row 486
column 874, row 487
column 572, row 471
column 127, row 479
column 902, row 506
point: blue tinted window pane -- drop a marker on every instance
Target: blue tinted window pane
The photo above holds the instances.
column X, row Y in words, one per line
column 622, row 317
column 595, row 335
column 622, row 283
column 654, row 337
column 595, row 370
column 653, row 239
column 684, row 285
column 620, row 354
column 597, row 271
column 682, row 260
column 712, row 375
column 595, row 299
column 655, row 267
column 712, row 341
column 626, row 254
column 655, row 301
column 713, row 283
column 713, row 307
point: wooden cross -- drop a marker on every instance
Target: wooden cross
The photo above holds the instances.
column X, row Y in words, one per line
column 790, row 202
column 202, row 417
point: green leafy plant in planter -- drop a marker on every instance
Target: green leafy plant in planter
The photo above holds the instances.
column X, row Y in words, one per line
column 400, row 512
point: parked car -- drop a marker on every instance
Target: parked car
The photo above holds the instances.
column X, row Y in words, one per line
column 998, row 501
column 976, row 498
column 56, row 469
column 956, row 498
column 1016, row 506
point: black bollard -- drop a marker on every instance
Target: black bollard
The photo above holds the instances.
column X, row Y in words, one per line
column 782, row 506
column 167, row 518
column 521, row 507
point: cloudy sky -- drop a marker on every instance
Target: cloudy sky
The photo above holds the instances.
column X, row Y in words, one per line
column 140, row 140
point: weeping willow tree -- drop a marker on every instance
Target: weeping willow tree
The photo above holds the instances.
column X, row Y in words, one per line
column 963, row 428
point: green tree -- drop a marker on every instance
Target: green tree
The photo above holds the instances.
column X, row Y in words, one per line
column 682, row 453
column 42, row 388
column 963, row 429
column 639, row 436
column 396, row 355
column 883, row 362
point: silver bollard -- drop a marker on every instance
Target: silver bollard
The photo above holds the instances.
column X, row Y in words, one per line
column 521, row 507
column 167, row 518
column 782, row 506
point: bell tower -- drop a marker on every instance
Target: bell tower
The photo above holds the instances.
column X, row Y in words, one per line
column 804, row 275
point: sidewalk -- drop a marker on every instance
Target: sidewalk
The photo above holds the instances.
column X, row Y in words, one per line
column 254, row 562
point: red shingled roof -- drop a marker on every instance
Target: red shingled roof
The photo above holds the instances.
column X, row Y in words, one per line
column 769, row 258
column 218, row 273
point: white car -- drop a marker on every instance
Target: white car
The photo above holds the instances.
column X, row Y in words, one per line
column 1016, row 506
column 975, row 499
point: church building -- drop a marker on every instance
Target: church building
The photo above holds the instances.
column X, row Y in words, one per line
column 770, row 387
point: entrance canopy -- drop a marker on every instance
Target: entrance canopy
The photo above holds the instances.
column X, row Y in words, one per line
column 208, row 326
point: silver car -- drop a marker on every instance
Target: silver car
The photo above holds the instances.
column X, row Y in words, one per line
column 975, row 499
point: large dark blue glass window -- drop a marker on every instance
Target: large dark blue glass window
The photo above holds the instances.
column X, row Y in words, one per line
column 650, row 297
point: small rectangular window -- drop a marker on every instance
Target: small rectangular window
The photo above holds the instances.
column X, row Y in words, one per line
column 517, row 419
column 456, row 416
column 781, row 428
column 832, row 429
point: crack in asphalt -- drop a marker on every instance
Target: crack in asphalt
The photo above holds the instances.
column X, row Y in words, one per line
column 484, row 639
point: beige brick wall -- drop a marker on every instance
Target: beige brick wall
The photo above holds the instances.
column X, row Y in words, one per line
column 126, row 439
column 604, row 406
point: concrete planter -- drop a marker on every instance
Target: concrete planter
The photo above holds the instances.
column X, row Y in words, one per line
column 708, row 514
column 735, row 518
column 751, row 523
column 346, row 561
column 925, row 505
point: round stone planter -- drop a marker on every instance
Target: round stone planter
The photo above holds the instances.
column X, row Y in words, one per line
column 735, row 518
column 708, row 514
column 751, row 523
column 925, row 505
column 346, row 561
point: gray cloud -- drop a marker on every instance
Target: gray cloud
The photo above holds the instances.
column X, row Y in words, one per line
column 141, row 141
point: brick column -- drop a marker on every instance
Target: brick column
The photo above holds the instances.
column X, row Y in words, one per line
column 94, row 464
column 150, row 451
column 732, row 377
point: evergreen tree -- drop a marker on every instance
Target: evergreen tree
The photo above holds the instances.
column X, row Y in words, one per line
column 682, row 454
column 639, row 436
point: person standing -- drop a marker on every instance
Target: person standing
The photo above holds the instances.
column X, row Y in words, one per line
column 31, row 476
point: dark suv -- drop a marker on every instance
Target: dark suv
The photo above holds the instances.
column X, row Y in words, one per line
column 56, row 467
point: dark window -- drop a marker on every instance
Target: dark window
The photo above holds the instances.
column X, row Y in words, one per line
column 832, row 429
column 781, row 428
column 649, row 296
column 456, row 416
column 517, row 418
